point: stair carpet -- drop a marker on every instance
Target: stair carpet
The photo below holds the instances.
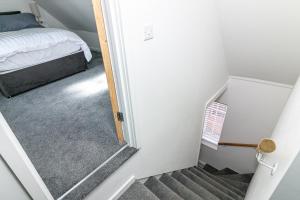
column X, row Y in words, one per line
column 197, row 183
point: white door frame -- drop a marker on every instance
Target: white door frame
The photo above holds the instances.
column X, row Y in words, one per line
column 113, row 25
column 18, row 161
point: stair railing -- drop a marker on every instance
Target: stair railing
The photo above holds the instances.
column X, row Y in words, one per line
column 265, row 146
column 237, row 144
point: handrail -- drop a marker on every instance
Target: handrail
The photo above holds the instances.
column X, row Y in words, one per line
column 237, row 144
column 266, row 145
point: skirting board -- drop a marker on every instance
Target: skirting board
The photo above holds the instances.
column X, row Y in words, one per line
column 202, row 162
column 123, row 188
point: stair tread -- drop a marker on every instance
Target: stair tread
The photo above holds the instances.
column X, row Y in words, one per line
column 210, row 168
column 211, row 188
column 138, row 191
column 191, row 184
column 225, row 171
column 223, row 182
column 246, row 178
column 196, row 188
column 179, row 188
column 161, row 190
column 237, row 184
column 212, row 180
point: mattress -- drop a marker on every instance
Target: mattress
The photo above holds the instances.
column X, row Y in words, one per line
column 28, row 59
column 31, row 47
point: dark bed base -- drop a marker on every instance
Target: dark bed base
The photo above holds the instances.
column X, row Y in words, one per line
column 29, row 78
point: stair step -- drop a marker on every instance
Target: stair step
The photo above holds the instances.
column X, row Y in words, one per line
column 201, row 191
column 138, row 191
column 211, row 188
column 161, row 190
column 246, row 178
column 179, row 188
column 222, row 182
column 243, row 187
column 210, row 168
column 82, row 190
column 216, row 184
column 225, row 171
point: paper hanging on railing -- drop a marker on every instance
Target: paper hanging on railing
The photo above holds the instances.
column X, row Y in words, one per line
column 214, row 120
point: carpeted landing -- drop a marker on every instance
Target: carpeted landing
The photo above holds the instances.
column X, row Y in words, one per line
column 67, row 129
column 197, row 183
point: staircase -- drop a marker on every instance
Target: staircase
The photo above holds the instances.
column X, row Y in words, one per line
column 197, row 183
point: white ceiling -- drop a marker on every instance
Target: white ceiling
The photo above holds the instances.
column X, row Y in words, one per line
column 262, row 38
column 74, row 14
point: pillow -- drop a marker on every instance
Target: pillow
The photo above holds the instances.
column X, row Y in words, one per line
column 18, row 22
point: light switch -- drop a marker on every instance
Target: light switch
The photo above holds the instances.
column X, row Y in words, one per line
column 148, row 32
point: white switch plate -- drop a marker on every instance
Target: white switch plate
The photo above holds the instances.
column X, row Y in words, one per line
column 148, row 32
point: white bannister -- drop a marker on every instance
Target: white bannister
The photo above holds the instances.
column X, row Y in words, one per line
column 261, row 160
column 287, row 137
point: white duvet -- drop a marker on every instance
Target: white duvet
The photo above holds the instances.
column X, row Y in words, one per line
column 20, row 49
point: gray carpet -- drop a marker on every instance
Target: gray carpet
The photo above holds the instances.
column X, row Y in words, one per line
column 138, row 191
column 65, row 127
column 98, row 177
column 217, row 184
column 246, row 178
column 196, row 183
column 179, row 188
column 239, row 188
column 198, row 189
column 160, row 190
column 209, row 187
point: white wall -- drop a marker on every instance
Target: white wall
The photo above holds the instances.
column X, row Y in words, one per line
column 171, row 78
column 288, row 188
column 10, row 188
column 287, row 137
column 14, row 5
column 262, row 38
column 167, row 77
column 50, row 21
column 91, row 38
column 254, row 107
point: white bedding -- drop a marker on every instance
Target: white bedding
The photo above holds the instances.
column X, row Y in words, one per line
column 28, row 47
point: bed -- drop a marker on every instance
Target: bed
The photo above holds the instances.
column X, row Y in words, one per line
column 32, row 56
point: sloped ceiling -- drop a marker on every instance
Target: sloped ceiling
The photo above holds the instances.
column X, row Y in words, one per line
column 23, row 6
column 74, row 14
column 14, row 5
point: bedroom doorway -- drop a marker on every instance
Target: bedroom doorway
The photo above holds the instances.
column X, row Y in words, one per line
column 68, row 122
column 65, row 127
